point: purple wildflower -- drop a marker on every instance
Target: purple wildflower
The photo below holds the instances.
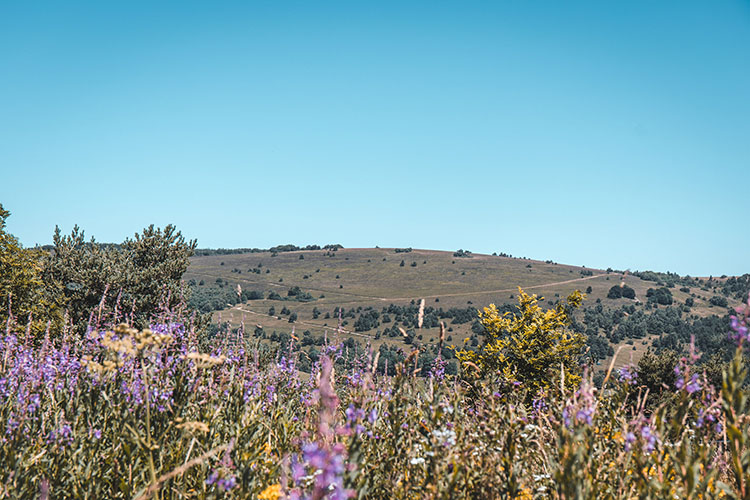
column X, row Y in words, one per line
column 327, row 465
column 438, row 369
column 649, row 437
column 585, row 415
column 628, row 374
column 694, row 384
column 539, row 406
column 630, row 439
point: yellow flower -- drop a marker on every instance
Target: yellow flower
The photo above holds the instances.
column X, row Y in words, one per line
column 525, row 495
column 273, row 492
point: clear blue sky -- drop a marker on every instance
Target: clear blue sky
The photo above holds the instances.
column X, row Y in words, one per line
column 591, row 133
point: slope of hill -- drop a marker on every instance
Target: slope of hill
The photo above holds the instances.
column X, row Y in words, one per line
column 303, row 289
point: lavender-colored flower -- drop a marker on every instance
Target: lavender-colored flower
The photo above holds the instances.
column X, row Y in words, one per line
column 298, row 470
column 566, row 417
column 227, row 483
column 630, row 439
column 734, row 323
column 438, row 369
column 582, row 407
column 701, row 418
column 326, row 464
column 694, row 384
column 286, row 365
column 62, row 436
column 270, row 393
column 585, row 415
column 353, row 413
column 628, row 374
column 649, row 437
column 539, row 406
column 740, row 323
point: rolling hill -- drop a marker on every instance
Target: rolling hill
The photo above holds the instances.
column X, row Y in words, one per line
column 311, row 284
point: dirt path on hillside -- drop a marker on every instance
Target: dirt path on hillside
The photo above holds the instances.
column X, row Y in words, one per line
column 502, row 290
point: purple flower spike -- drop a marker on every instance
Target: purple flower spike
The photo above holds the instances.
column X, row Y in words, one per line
column 694, row 384
column 629, row 440
column 650, row 438
column 628, row 374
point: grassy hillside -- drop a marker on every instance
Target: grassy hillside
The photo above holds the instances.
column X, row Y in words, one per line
column 358, row 279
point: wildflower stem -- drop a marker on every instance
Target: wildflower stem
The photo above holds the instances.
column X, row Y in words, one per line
column 151, row 467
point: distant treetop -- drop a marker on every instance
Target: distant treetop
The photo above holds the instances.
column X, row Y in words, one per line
column 277, row 249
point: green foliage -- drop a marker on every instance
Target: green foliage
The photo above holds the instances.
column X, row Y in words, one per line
column 143, row 275
column 534, row 347
column 277, row 249
column 666, row 279
column 719, row 301
column 619, row 291
column 656, row 374
column 737, row 286
column 207, row 299
column 296, row 293
column 661, row 296
column 368, row 320
column 21, row 287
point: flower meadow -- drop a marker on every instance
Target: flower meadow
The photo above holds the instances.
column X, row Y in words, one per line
column 166, row 413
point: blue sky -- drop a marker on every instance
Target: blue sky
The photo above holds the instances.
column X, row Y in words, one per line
column 591, row 133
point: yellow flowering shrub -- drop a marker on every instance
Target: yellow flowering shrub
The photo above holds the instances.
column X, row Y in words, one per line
column 534, row 346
